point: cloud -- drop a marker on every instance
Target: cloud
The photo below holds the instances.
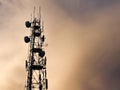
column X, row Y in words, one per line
column 92, row 45
column 83, row 49
column 85, row 9
column 98, row 69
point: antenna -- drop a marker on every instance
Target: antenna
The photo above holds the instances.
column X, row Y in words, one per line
column 39, row 12
column 34, row 12
column 31, row 16
column 43, row 26
column 36, row 61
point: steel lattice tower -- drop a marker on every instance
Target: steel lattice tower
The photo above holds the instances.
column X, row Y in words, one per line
column 36, row 62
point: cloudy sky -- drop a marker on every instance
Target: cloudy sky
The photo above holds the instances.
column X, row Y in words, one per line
column 83, row 43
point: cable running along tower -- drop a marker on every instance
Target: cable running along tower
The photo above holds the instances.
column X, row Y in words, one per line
column 36, row 62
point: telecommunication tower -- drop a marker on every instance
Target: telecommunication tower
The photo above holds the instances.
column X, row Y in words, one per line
column 36, row 62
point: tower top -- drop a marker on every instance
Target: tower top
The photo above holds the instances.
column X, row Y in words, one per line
column 36, row 61
column 36, row 15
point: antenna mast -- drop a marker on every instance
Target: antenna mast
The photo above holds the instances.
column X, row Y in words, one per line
column 36, row 62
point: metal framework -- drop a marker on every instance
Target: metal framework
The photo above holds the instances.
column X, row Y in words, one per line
column 36, row 62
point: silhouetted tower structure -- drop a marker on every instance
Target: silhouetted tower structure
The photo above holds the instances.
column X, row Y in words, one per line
column 36, row 62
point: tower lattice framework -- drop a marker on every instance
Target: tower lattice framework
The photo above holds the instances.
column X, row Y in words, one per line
column 36, row 62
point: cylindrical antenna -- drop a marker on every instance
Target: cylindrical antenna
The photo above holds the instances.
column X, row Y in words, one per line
column 40, row 12
column 34, row 12
column 31, row 17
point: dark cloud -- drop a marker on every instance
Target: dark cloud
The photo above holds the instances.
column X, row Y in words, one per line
column 84, row 5
column 84, row 8
column 99, row 69
column 0, row 3
column 98, row 3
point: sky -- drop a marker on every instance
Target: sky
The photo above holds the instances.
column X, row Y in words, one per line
column 83, row 43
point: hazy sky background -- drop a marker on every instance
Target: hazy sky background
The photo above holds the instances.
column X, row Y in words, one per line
column 83, row 43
